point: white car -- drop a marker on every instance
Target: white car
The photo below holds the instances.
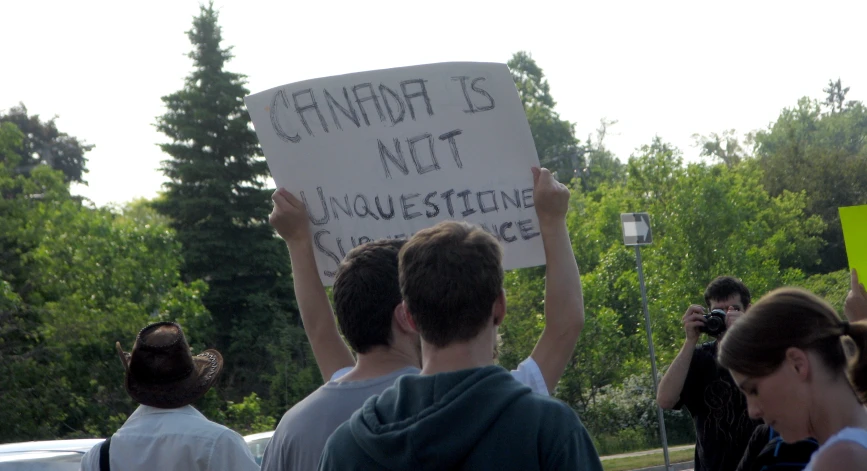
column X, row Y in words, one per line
column 65, row 455
column 50, row 455
column 257, row 443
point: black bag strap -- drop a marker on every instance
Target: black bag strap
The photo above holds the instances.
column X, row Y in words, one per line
column 103, row 455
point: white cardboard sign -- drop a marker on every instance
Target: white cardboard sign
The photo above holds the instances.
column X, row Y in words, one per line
column 385, row 153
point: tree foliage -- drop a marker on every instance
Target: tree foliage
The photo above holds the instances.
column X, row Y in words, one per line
column 44, row 144
column 217, row 204
column 726, row 147
column 76, row 279
column 708, row 220
column 601, row 165
column 820, row 149
column 555, row 139
column 836, row 96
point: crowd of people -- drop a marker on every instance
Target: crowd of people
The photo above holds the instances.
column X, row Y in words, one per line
column 783, row 382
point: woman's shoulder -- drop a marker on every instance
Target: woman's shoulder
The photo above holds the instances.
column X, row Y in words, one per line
column 845, row 450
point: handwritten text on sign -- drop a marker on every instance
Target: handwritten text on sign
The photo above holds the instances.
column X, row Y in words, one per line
column 383, row 154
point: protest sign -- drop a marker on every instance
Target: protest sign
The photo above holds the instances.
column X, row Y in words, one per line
column 854, row 221
column 386, row 153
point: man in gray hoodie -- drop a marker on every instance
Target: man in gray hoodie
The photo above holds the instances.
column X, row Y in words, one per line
column 462, row 412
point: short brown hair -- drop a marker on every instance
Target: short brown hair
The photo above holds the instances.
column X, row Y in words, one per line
column 724, row 287
column 450, row 276
column 791, row 317
column 366, row 292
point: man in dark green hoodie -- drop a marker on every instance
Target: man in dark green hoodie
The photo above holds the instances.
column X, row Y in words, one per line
column 462, row 412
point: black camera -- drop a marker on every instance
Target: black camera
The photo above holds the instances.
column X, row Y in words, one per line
column 714, row 323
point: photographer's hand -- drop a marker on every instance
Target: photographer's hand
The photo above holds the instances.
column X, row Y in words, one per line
column 693, row 320
column 732, row 315
column 671, row 386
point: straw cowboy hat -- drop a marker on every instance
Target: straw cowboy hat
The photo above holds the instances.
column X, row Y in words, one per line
column 162, row 372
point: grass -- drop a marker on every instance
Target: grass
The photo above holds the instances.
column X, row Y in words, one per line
column 646, row 461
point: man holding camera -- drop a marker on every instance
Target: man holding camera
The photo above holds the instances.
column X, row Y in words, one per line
column 695, row 380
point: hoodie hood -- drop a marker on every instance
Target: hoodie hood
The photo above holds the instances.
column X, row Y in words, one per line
column 433, row 422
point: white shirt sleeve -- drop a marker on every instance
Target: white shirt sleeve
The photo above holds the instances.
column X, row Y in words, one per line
column 342, row 371
column 90, row 460
column 529, row 374
column 231, row 453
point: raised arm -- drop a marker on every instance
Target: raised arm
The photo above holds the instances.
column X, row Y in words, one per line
column 855, row 307
column 289, row 218
column 564, row 300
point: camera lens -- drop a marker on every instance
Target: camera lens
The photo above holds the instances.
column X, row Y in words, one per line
column 714, row 324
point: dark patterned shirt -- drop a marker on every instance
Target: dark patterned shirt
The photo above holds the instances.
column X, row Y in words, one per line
column 719, row 410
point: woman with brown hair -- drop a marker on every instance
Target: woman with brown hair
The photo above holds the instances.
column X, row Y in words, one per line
column 788, row 356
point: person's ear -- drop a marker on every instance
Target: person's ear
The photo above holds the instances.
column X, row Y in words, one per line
column 499, row 308
column 799, row 362
column 404, row 319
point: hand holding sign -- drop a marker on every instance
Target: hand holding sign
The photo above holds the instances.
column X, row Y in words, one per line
column 551, row 197
column 855, row 307
column 383, row 154
column 289, row 217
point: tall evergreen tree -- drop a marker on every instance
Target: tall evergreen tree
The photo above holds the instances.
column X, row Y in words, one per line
column 219, row 207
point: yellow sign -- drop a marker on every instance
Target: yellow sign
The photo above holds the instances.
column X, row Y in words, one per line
column 854, row 220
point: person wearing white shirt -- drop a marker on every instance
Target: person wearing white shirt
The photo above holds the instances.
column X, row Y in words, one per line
column 369, row 310
column 165, row 432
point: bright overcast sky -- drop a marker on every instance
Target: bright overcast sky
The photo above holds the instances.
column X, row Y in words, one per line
column 667, row 68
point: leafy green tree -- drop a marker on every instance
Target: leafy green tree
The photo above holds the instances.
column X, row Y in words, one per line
column 725, row 147
column 555, row 140
column 142, row 211
column 833, row 287
column 708, row 220
column 11, row 138
column 601, row 164
column 74, row 280
column 623, row 417
column 836, row 96
column 821, row 150
column 217, row 204
column 712, row 220
column 44, row 144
